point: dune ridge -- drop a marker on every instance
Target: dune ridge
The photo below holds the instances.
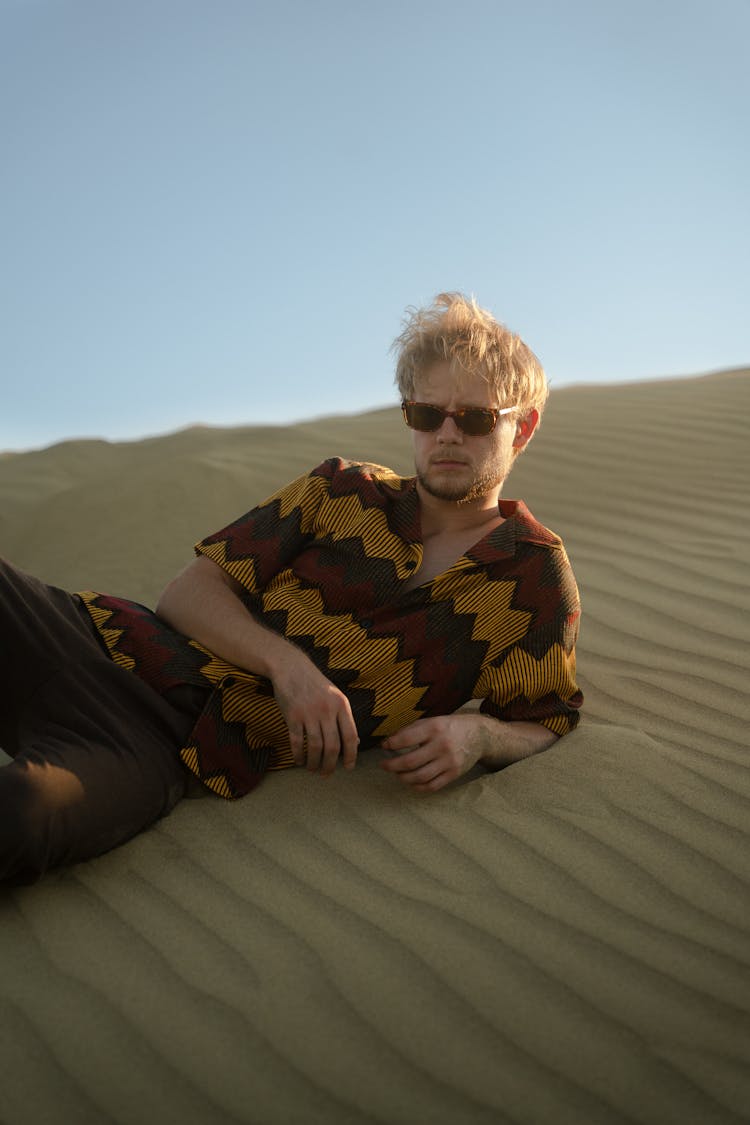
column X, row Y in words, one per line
column 567, row 941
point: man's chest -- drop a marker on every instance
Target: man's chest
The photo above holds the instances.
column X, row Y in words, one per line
column 439, row 553
column 343, row 576
column 437, row 558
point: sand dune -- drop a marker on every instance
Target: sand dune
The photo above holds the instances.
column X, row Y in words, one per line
column 567, row 941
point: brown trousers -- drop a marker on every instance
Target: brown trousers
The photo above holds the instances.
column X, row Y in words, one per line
column 94, row 748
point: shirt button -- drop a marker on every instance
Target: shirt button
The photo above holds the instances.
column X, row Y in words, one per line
column 365, row 623
column 410, row 565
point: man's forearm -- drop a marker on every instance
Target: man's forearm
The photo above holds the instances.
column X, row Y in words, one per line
column 500, row 744
column 202, row 602
column 431, row 753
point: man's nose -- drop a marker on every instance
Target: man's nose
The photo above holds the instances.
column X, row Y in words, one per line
column 448, row 431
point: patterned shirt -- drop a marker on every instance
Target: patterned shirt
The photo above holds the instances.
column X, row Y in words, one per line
column 323, row 562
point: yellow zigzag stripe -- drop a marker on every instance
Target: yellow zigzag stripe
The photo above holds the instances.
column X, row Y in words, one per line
column 305, row 493
column 281, row 759
column 350, row 647
column 555, row 672
column 495, row 622
column 189, row 756
column 318, row 512
column 351, row 519
column 560, row 724
column 215, row 669
column 240, row 702
column 111, row 637
column 239, row 698
column 264, row 723
column 219, row 784
column 241, row 569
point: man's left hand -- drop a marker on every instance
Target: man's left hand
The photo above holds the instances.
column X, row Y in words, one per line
column 434, row 752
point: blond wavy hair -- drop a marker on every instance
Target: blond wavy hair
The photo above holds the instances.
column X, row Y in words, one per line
column 456, row 329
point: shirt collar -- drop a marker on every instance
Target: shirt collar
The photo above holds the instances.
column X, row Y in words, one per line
column 527, row 529
column 518, row 526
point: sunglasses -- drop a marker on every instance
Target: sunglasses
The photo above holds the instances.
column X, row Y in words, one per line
column 476, row 421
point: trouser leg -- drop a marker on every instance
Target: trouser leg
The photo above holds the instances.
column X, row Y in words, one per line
column 94, row 748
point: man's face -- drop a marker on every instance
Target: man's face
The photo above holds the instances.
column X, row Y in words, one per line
column 451, row 465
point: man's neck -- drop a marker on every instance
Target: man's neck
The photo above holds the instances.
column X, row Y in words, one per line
column 451, row 516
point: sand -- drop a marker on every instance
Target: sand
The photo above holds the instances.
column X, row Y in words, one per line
column 566, row 941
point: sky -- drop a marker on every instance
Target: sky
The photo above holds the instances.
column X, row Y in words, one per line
column 218, row 211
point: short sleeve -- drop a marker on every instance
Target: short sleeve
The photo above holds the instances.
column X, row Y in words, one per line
column 534, row 688
column 535, row 679
column 264, row 541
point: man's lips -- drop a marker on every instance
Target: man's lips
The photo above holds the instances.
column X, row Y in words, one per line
column 447, row 462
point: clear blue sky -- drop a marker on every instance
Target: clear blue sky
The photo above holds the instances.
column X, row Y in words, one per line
column 218, row 211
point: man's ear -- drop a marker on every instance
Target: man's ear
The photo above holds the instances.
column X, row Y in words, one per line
column 524, row 429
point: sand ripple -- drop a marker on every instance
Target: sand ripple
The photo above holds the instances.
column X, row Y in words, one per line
column 565, row 942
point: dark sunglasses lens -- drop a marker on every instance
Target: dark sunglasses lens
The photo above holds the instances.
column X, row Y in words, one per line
column 420, row 416
column 476, row 422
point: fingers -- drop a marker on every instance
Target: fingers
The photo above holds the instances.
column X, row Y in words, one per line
column 409, row 761
column 298, row 744
column 318, row 746
column 323, row 748
column 424, row 768
column 409, row 737
column 421, row 770
column 318, row 717
column 434, row 784
column 349, row 739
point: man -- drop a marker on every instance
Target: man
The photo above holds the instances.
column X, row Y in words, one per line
column 353, row 609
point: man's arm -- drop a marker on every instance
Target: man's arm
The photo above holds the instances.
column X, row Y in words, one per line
column 434, row 752
column 203, row 602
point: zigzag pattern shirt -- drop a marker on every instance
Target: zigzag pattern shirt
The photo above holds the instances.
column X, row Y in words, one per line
column 323, row 562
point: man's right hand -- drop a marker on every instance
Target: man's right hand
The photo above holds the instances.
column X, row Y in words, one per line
column 318, row 715
column 203, row 602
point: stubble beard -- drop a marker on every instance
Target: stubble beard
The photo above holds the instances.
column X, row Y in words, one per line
column 459, row 492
